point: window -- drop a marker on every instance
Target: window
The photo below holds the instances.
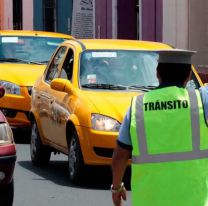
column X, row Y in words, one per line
column 53, row 67
column 29, row 48
column 126, row 68
column 193, row 83
column 67, row 69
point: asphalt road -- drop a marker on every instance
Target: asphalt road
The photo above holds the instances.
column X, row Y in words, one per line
column 49, row 186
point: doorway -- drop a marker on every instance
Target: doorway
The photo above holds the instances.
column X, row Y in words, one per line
column 17, row 14
column 49, row 15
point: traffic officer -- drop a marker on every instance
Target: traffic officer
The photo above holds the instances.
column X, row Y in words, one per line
column 166, row 133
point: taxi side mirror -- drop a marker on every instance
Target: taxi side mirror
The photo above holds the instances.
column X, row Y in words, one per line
column 62, row 85
column 2, row 91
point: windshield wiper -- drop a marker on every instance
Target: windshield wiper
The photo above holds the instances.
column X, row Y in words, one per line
column 18, row 60
column 44, row 62
column 11, row 60
column 142, row 88
column 105, row 86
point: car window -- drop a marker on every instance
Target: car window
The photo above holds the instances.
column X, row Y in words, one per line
column 67, row 68
column 125, row 68
column 53, row 67
column 130, row 69
column 31, row 49
column 193, row 83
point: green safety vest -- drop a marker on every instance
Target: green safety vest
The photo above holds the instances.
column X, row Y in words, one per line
column 170, row 149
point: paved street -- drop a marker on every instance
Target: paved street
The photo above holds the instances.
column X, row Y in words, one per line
column 50, row 186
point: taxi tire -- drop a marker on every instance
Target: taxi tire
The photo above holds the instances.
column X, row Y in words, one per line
column 39, row 153
column 7, row 194
column 76, row 165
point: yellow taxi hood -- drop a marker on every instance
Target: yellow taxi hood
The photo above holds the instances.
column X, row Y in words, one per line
column 21, row 74
column 112, row 104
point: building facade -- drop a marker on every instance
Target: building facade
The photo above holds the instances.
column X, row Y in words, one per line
column 16, row 14
column 52, row 15
column 185, row 26
column 135, row 19
column 49, row 15
column 182, row 24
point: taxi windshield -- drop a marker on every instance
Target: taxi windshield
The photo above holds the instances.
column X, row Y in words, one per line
column 25, row 49
column 120, row 70
column 124, row 68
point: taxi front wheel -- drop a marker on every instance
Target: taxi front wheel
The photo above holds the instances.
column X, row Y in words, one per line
column 40, row 154
column 75, row 160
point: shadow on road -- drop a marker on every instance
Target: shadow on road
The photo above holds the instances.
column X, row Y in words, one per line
column 97, row 178
column 57, row 172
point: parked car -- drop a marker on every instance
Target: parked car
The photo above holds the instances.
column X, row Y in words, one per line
column 7, row 160
column 80, row 101
column 23, row 58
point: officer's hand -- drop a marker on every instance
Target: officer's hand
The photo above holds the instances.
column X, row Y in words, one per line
column 118, row 197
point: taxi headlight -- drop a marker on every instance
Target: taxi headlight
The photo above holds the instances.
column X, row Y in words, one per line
column 6, row 135
column 10, row 88
column 104, row 123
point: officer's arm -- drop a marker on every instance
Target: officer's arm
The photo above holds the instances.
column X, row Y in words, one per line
column 119, row 163
column 122, row 151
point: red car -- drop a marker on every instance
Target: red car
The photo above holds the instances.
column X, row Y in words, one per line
column 7, row 160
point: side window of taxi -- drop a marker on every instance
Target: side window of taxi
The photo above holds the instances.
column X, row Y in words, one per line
column 54, row 65
column 67, row 68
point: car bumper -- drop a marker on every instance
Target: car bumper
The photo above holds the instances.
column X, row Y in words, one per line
column 7, row 163
column 16, row 108
column 97, row 146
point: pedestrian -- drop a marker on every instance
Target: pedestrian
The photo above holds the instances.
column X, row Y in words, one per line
column 166, row 135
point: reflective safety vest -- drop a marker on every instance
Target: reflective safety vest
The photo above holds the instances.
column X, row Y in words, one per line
column 170, row 149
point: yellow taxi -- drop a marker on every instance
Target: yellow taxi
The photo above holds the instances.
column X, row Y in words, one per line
column 23, row 58
column 80, row 101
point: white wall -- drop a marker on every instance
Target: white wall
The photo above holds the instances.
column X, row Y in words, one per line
column 8, row 14
column 27, row 14
column 185, row 25
column 198, row 31
column 175, row 23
